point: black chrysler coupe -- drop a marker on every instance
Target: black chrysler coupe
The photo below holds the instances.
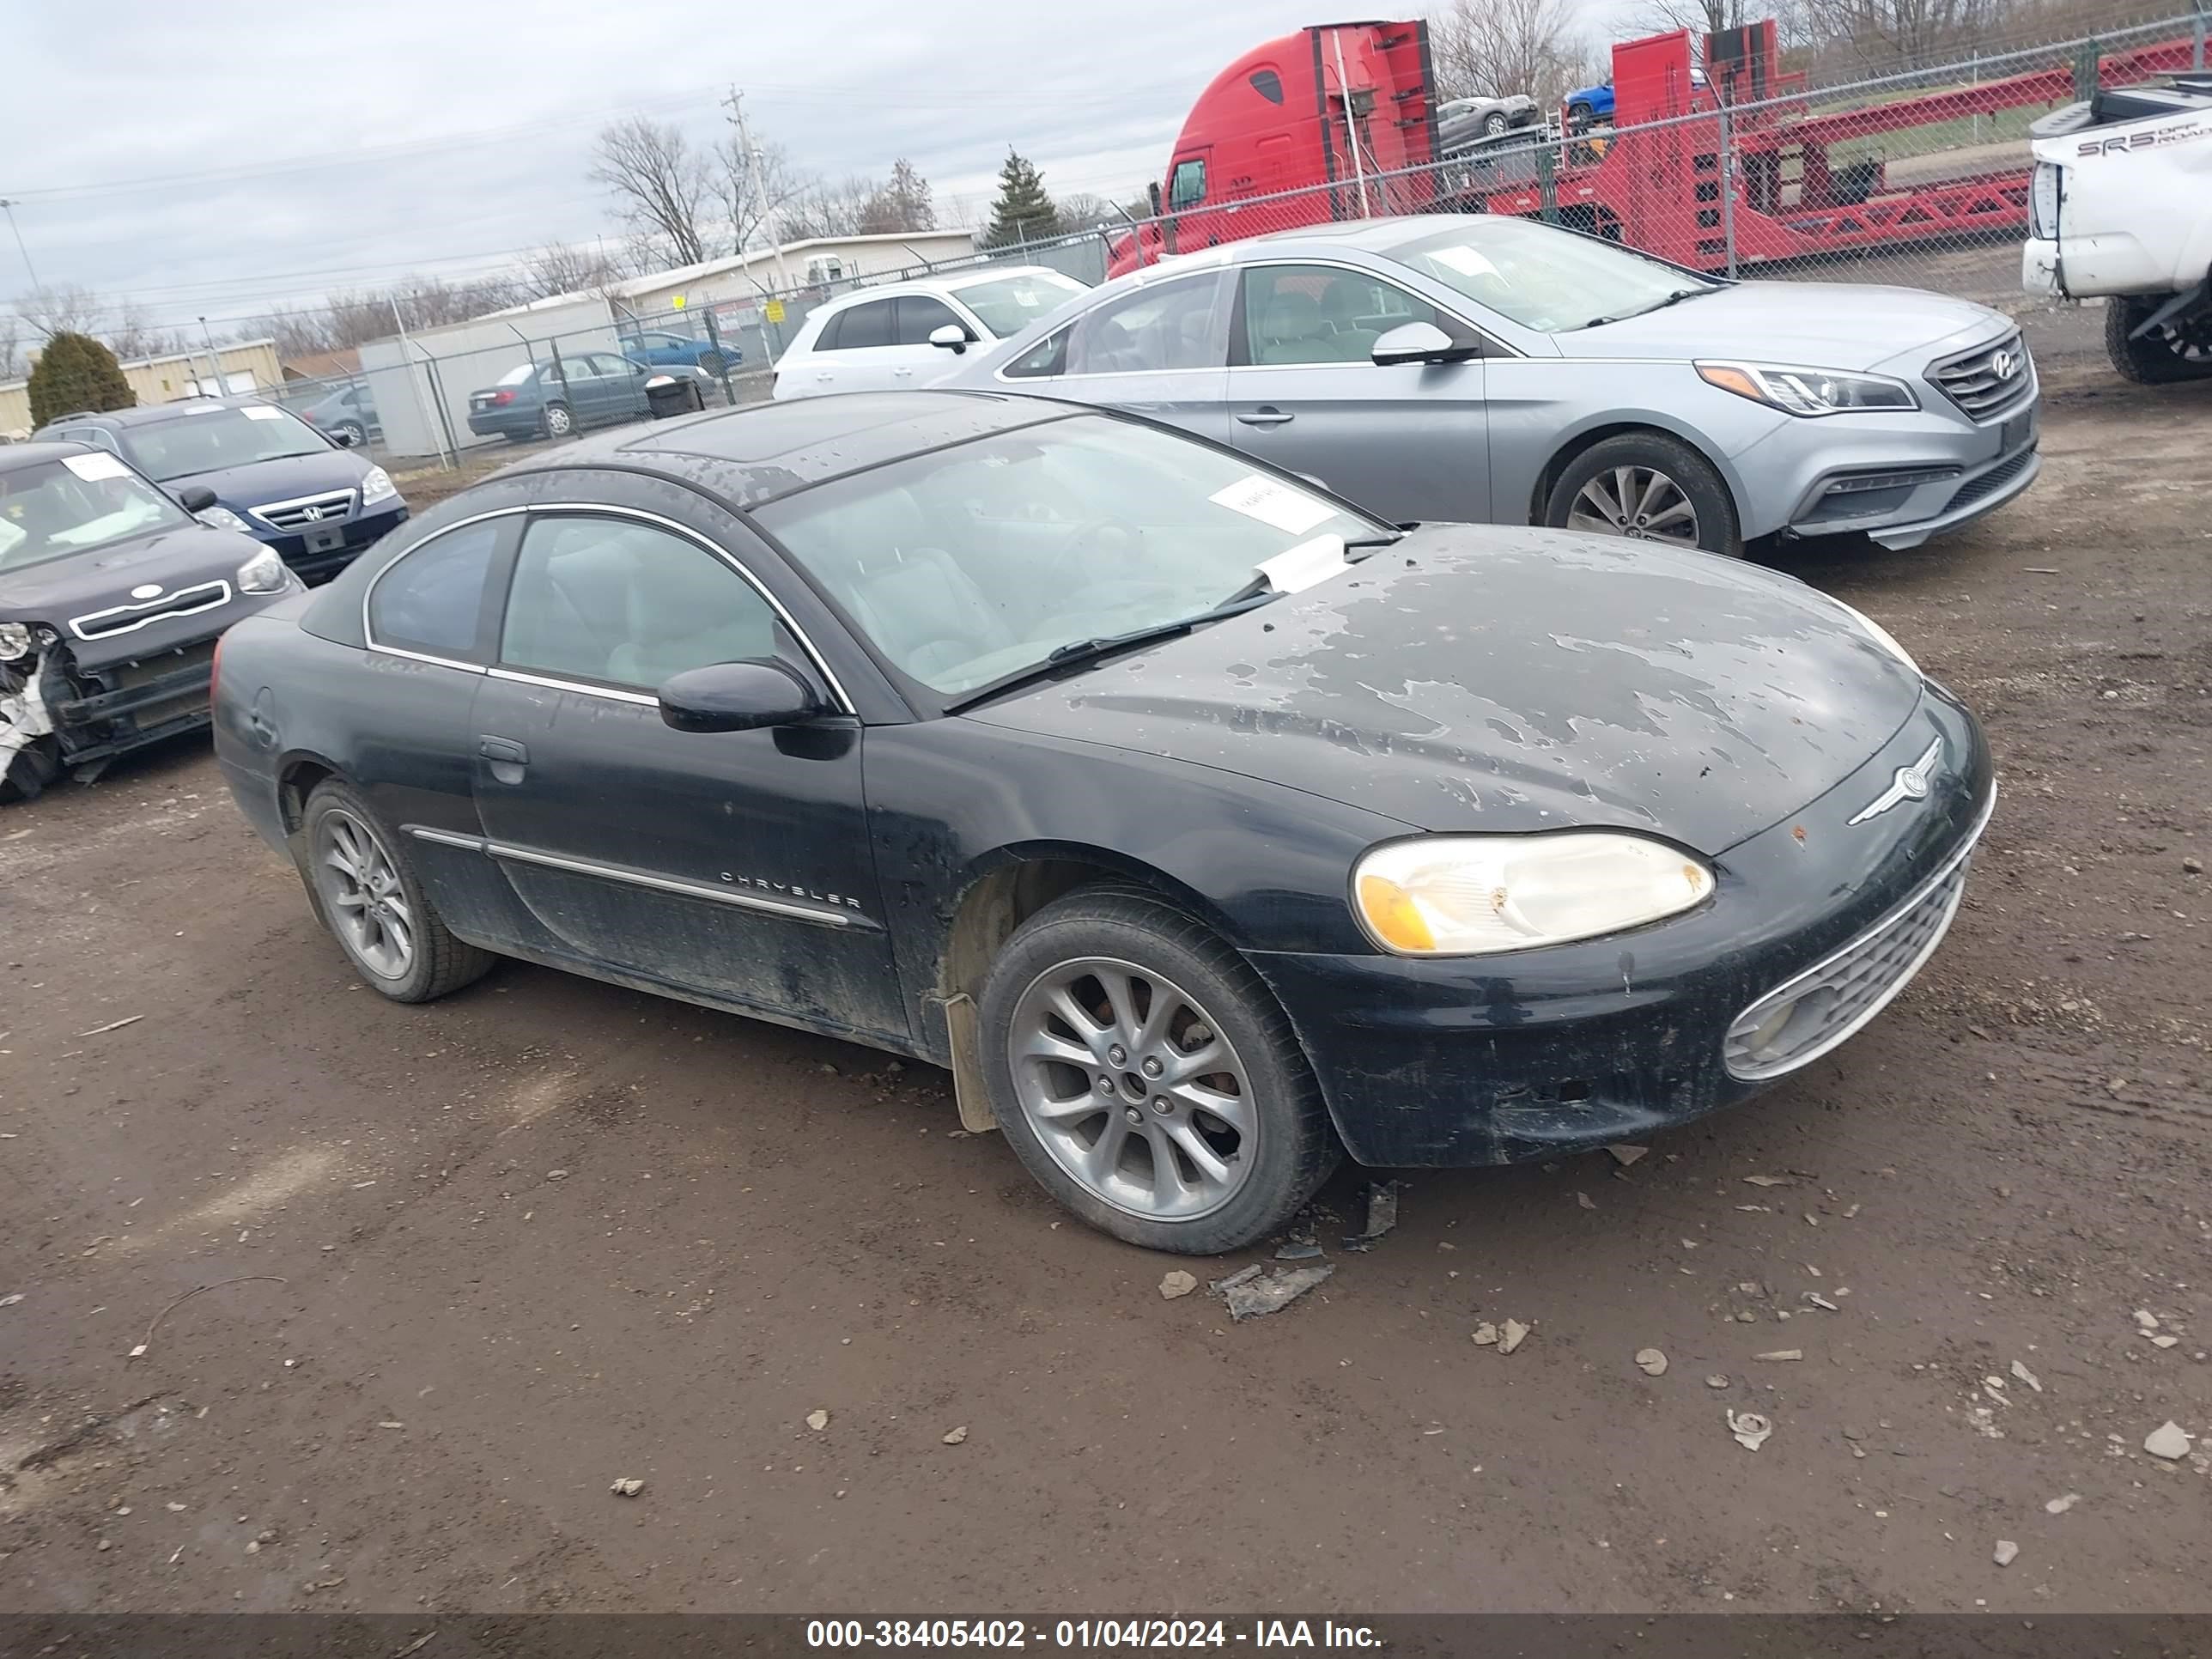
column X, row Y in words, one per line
column 1203, row 825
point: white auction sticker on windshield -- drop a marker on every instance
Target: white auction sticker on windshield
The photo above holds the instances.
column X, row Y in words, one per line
column 1465, row 260
column 262, row 412
column 94, row 467
column 1291, row 511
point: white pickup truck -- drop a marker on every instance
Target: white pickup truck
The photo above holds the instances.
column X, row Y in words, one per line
column 2120, row 209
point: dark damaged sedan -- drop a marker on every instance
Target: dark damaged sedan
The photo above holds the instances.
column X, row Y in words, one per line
column 1203, row 826
column 111, row 597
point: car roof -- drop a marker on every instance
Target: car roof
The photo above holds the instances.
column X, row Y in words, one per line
column 944, row 283
column 153, row 414
column 763, row 452
column 15, row 456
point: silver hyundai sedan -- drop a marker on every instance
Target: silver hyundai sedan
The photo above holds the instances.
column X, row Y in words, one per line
column 1458, row 368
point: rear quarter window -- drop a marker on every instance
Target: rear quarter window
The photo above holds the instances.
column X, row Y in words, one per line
column 433, row 600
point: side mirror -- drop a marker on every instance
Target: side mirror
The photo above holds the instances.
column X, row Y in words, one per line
column 1419, row 343
column 951, row 337
column 195, row 498
column 1152, row 194
column 738, row 696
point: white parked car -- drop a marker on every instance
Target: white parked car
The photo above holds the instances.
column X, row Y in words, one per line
column 904, row 335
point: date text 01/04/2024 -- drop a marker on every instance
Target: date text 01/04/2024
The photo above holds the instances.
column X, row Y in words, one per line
column 1084, row 1633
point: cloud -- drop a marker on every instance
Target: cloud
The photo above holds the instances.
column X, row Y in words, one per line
column 211, row 160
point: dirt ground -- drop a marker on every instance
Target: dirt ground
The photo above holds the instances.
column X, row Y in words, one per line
column 414, row 1286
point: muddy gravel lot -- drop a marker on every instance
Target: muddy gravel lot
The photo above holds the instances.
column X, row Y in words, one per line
column 311, row 1301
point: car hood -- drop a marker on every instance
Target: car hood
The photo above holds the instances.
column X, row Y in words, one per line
column 1818, row 325
column 62, row 590
column 284, row 479
column 1501, row 679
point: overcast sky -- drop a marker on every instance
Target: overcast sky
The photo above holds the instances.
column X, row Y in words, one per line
column 209, row 159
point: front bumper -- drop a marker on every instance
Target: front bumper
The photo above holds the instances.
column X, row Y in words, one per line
column 1499, row 1060
column 123, row 706
column 317, row 558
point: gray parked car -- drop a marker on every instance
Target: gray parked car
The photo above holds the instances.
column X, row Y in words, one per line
column 1464, row 121
column 1453, row 369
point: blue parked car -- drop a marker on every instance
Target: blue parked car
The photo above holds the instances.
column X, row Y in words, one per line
column 1592, row 106
column 662, row 348
column 248, row 466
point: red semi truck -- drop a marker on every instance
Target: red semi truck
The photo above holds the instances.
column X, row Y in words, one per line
column 1339, row 121
column 1334, row 111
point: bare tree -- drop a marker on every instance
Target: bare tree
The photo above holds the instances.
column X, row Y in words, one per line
column 561, row 268
column 1892, row 34
column 751, row 198
column 68, row 309
column 130, row 337
column 903, row 204
column 13, row 364
column 824, row 208
column 658, row 180
column 298, row 331
column 1699, row 16
column 1081, row 209
column 1495, row 48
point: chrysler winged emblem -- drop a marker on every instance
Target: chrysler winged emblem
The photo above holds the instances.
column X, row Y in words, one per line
column 1907, row 783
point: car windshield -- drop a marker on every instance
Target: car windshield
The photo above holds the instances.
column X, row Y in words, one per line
column 973, row 563
column 1544, row 278
column 74, row 504
column 1010, row 304
column 219, row 438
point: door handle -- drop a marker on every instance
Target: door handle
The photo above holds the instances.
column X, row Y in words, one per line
column 1266, row 415
column 503, row 749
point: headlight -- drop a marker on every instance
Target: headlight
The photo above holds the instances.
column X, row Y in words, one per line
column 221, row 518
column 1882, row 636
column 15, row 641
column 1808, row 391
column 1466, row 895
column 264, row 573
column 377, row 486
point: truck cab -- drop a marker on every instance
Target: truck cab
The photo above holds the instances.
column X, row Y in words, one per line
column 1348, row 105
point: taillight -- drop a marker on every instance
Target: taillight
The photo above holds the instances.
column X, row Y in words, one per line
column 502, row 397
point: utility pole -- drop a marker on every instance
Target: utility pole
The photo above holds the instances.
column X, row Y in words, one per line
column 9, row 207
column 735, row 103
column 214, row 362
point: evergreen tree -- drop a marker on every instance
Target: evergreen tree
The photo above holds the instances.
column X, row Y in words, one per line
column 1023, row 213
column 76, row 372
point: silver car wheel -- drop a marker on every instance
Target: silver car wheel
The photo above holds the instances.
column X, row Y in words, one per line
column 1640, row 502
column 361, row 895
column 558, row 421
column 1131, row 1087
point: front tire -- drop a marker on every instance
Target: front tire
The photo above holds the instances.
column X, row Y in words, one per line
column 1144, row 1076
column 2167, row 355
column 1494, row 123
column 1647, row 486
column 363, row 886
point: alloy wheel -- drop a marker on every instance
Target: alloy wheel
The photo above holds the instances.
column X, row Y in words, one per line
column 361, row 895
column 558, row 421
column 1133, row 1089
column 1640, row 502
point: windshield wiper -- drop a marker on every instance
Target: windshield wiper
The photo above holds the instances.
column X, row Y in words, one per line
column 1674, row 299
column 1076, row 651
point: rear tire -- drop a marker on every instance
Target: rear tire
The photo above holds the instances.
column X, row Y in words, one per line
column 1179, row 1178
column 558, row 421
column 2172, row 353
column 711, row 362
column 351, row 434
column 1662, row 476
column 362, row 885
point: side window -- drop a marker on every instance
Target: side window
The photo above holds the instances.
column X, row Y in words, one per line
column 432, row 600
column 1043, row 361
column 1167, row 326
column 865, row 325
column 625, row 603
column 1267, row 84
column 918, row 315
column 1321, row 314
column 1186, row 188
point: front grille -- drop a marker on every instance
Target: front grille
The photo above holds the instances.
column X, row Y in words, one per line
column 125, row 677
column 1991, row 481
column 1975, row 381
column 127, row 619
column 1800, row 1021
column 308, row 509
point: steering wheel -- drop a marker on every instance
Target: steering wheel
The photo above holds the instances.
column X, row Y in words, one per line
column 1095, row 538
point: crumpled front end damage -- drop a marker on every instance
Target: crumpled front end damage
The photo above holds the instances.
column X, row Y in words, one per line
column 55, row 714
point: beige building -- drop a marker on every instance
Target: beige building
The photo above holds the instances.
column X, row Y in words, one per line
column 246, row 367
column 823, row 262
